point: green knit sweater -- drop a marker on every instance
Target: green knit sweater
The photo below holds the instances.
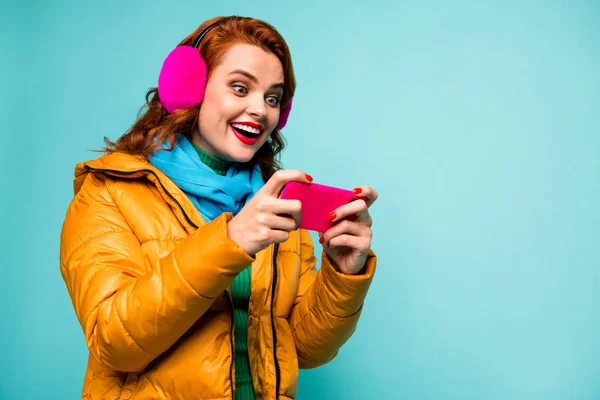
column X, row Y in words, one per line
column 240, row 292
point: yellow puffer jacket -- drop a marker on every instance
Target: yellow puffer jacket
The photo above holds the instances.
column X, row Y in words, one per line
column 149, row 281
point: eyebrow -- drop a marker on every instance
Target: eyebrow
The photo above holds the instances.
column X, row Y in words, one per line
column 253, row 78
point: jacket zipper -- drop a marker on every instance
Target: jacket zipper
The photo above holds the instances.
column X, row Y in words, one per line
column 231, row 327
column 273, row 286
column 127, row 173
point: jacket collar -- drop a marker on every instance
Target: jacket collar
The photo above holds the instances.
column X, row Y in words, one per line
column 127, row 166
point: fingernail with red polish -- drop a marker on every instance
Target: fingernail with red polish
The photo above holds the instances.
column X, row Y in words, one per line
column 322, row 239
column 310, row 178
column 332, row 216
column 357, row 191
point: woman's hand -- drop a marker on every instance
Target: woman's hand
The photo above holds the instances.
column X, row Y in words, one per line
column 266, row 219
column 347, row 243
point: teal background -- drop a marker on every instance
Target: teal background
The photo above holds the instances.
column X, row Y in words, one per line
column 477, row 122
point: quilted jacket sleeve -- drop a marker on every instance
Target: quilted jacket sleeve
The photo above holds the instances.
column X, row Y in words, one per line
column 327, row 306
column 131, row 312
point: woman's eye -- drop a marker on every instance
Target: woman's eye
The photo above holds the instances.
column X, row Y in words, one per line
column 274, row 101
column 240, row 89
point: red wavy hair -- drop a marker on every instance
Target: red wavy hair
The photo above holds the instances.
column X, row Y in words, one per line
column 154, row 124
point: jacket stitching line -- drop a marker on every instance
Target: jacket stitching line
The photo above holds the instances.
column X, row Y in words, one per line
column 100, row 234
column 162, row 240
column 176, row 265
column 128, row 334
column 311, row 312
column 288, row 251
column 95, row 196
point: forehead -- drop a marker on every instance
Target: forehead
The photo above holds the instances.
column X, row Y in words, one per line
column 263, row 65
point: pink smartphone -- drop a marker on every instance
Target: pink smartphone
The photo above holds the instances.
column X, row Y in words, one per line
column 317, row 202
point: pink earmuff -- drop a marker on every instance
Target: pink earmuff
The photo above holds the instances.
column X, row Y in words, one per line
column 283, row 116
column 183, row 76
column 182, row 79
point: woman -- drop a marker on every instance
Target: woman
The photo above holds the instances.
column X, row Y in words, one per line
column 188, row 274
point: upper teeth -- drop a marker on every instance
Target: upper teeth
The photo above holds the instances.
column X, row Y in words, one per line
column 247, row 128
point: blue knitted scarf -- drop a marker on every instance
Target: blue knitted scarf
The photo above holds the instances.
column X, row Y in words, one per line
column 212, row 194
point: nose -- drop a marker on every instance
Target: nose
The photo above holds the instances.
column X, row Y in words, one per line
column 257, row 107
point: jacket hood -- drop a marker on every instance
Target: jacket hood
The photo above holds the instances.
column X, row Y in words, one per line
column 116, row 162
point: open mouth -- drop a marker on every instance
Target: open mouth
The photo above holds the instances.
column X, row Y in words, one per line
column 246, row 130
column 246, row 134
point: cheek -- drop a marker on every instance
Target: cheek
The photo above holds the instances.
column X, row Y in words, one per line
column 273, row 116
column 213, row 114
column 229, row 106
column 217, row 104
column 206, row 117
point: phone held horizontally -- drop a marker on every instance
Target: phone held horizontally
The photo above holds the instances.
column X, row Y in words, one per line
column 317, row 202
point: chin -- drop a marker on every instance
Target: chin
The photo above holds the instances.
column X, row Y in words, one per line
column 241, row 153
column 238, row 155
column 242, row 156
